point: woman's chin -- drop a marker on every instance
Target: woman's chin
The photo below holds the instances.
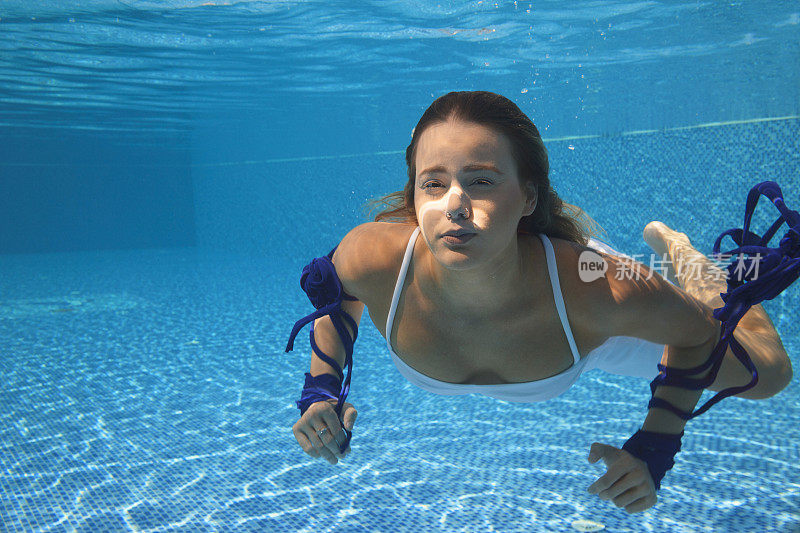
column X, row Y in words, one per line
column 455, row 259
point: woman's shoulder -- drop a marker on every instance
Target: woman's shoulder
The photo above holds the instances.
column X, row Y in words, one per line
column 368, row 254
column 567, row 255
column 593, row 273
column 376, row 245
column 585, row 296
column 616, row 290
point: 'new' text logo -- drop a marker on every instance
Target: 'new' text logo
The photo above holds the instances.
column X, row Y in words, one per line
column 591, row 266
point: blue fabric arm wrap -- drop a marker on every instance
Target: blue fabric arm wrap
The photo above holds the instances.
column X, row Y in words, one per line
column 750, row 281
column 324, row 288
column 656, row 449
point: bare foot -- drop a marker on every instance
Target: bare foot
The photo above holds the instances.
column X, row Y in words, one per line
column 661, row 238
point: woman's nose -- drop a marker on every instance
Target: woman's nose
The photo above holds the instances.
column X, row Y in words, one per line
column 456, row 203
column 456, row 196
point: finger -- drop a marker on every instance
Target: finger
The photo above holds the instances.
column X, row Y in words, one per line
column 598, row 450
column 305, row 443
column 312, row 432
column 350, row 418
column 642, row 504
column 607, row 480
column 328, row 456
column 319, row 447
column 335, row 436
column 631, row 495
column 331, row 420
column 623, row 485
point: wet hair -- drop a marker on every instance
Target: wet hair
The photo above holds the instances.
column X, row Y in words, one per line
column 553, row 216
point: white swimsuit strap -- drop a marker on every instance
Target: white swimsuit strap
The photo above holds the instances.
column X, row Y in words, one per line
column 552, row 269
column 398, row 288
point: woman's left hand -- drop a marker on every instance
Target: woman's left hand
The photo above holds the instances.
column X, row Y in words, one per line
column 627, row 482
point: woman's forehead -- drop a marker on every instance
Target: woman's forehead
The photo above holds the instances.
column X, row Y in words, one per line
column 450, row 139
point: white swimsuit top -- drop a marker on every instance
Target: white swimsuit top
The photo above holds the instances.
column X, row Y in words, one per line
column 530, row 391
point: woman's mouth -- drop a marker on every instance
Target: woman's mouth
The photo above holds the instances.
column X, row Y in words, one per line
column 452, row 239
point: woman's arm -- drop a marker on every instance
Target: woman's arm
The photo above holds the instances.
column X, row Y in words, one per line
column 354, row 270
column 338, row 279
column 701, row 278
column 637, row 302
column 634, row 301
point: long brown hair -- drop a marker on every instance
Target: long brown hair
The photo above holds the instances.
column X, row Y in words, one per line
column 553, row 216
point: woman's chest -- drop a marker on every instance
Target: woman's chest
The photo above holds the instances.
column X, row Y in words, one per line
column 531, row 346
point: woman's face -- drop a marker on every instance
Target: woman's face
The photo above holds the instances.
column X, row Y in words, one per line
column 467, row 170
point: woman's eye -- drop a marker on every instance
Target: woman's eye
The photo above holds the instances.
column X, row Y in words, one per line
column 433, row 183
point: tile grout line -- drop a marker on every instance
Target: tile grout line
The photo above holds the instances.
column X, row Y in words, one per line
column 553, row 139
column 396, row 152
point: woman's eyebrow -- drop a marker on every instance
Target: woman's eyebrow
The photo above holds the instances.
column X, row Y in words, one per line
column 467, row 168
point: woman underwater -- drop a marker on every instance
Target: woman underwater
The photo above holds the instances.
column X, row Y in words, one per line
column 499, row 307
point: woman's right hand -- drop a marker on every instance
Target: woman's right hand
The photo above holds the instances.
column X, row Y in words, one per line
column 321, row 415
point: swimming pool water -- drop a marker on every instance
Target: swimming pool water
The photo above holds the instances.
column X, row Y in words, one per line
column 149, row 391
column 168, row 167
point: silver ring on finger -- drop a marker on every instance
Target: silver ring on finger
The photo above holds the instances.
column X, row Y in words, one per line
column 322, row 432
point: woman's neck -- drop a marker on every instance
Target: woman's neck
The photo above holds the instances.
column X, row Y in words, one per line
column 495, row 289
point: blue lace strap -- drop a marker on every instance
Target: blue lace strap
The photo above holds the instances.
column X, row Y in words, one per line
column 750, row 280
column 324, row 288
